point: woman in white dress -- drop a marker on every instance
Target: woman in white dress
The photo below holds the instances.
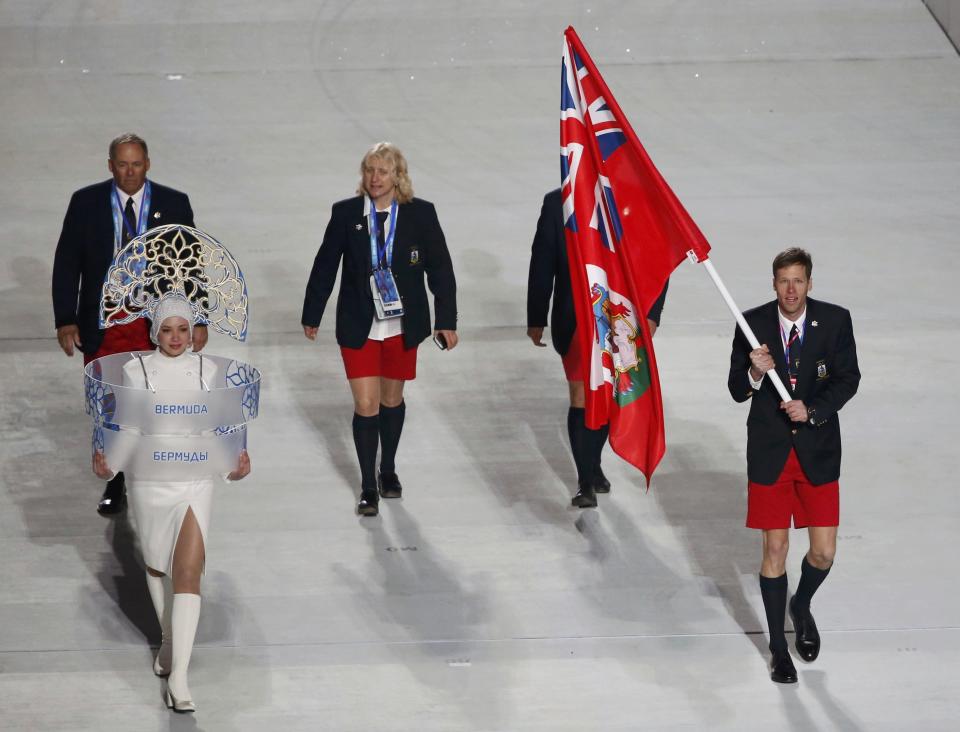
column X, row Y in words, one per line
column 173, row 517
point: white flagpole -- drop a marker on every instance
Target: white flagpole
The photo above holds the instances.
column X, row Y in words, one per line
column 741, row 321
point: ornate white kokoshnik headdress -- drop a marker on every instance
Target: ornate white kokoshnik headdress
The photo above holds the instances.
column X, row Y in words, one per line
column 176, row 262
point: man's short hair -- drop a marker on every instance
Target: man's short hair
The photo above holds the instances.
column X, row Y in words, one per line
column 791, row 256
column 128, row 138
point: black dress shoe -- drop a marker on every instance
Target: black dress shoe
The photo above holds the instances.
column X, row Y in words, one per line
column 600, row 482
column 586, row 497
column 389, row 485
column 807, row 635
column 368, row 504
column 114, row 498
column 782, row 669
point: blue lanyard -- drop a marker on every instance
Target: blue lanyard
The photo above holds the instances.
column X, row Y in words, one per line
column 376, row 253
column 120, row 220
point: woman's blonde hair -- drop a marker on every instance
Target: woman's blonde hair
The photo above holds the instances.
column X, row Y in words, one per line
column 391, row 155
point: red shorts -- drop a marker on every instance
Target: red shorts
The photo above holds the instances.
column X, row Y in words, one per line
column 772, row 506
column 133, row 336
column 572, row 363
column 389, row 359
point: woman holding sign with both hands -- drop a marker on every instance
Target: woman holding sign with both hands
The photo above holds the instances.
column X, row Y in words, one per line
column 388, row 241
column 173, row 516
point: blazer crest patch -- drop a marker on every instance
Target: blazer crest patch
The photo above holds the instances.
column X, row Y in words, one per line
column 822, row 369
column 414, row 255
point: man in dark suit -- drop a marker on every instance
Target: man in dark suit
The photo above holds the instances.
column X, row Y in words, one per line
column 793, row 447
column 379, row 350
column 100, row 220
column 550, row 276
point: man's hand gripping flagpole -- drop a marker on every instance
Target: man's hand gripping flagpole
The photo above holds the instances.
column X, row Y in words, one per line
column 741, row 321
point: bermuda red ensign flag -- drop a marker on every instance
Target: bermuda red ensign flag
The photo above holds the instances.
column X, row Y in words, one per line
column 626, row 232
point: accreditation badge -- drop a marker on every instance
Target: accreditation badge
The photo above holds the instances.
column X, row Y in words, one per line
column 386, row 297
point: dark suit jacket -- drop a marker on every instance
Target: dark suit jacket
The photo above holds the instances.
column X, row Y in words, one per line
column 85, row 251
column 550, row 275
column 419, row 249
column 828, row 377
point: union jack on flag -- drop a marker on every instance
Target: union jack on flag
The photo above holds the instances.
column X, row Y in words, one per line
column 626, row 232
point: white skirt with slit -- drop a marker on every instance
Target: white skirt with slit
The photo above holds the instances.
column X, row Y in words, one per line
column 159, row 508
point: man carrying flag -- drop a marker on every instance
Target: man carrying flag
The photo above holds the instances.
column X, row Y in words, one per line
column 626, row 232
column 793, row 446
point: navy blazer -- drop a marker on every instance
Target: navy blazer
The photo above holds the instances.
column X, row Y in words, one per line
column 419, row 249
column 85, row 251
column 829, row 376
column 550, row 275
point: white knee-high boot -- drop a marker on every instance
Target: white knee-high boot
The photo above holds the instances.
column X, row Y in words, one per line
column 161, row 592
column 183, row 620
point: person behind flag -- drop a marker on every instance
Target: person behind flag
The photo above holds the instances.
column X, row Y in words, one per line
column 793, row 447
column 549, row 276
column 388, row 241
column 100, row 220
column 626, row 232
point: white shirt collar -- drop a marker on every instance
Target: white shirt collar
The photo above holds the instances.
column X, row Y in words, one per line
column 786, row 325
column 388, row 223
column 366, row 206
column 137, row 197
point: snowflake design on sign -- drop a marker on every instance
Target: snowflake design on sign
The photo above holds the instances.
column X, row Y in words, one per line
column 239, row 374
column 100, row 401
